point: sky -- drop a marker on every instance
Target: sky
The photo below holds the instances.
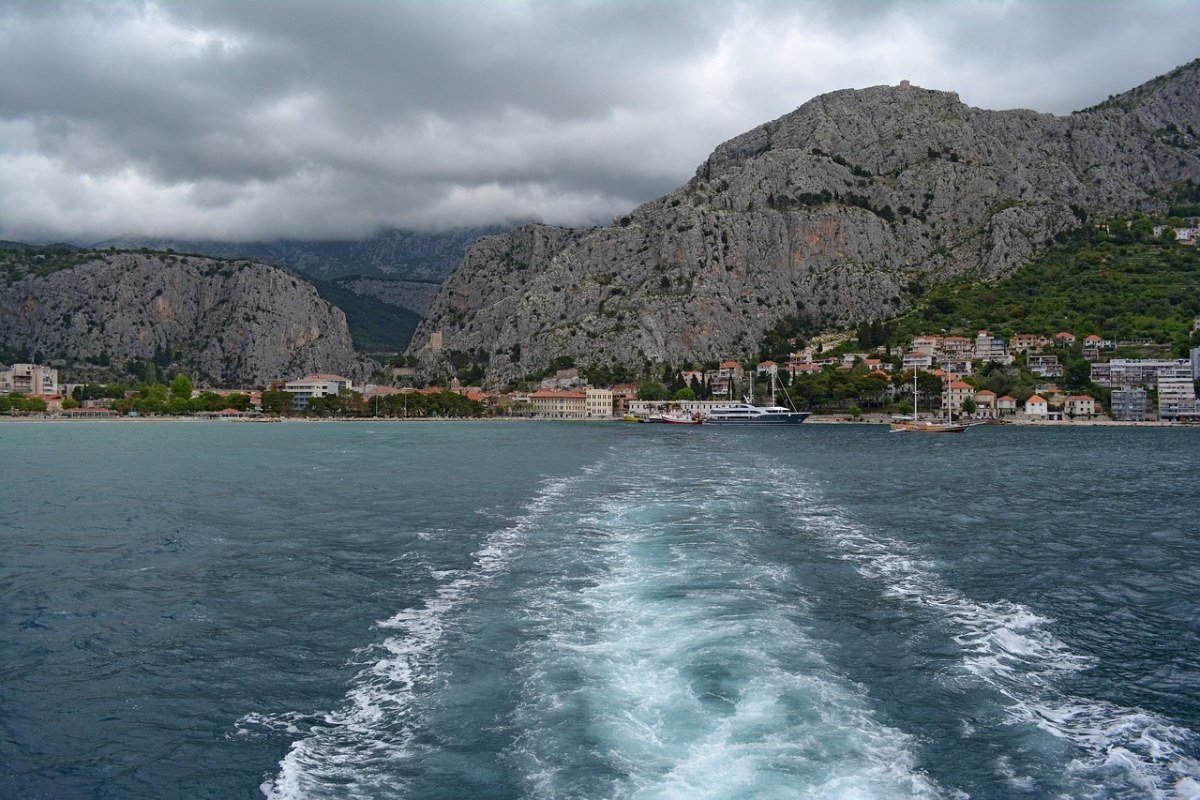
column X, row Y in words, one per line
column 245, row 120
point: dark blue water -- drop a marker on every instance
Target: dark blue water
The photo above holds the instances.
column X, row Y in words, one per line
column 524, row 610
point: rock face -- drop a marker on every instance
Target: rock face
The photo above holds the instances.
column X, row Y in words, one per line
column 225, row 323
column 831, row 212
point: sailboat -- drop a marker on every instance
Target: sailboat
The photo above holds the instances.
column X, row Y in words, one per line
column 916, row 425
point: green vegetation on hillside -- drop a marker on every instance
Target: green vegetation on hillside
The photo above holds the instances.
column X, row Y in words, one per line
column 375, row 326
column 18, row 260
column 1123, row 285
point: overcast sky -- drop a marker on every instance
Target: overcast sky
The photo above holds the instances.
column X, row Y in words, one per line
column 257, row 119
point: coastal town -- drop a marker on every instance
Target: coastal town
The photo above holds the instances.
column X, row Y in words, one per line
column 1161, row 390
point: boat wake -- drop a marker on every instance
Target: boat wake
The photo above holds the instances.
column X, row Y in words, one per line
column 1115, row 751
column 359, row 749
column 678, row 665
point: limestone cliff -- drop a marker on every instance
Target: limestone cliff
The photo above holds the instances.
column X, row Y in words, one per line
column 232, row 323
column 832, row 211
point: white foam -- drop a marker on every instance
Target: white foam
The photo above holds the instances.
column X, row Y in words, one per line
column 358, row 746
column 682, row 670
column 1011, row 649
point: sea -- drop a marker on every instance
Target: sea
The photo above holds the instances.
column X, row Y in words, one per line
column 559, row 610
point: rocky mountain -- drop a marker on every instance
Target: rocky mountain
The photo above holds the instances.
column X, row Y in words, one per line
column 225, row 323
column 839, row 212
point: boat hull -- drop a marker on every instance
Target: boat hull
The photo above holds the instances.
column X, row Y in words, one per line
column 746, row 414
column 927, row 427
column 768, row 421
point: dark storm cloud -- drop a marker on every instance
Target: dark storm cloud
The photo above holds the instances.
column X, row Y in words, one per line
column 246, row 119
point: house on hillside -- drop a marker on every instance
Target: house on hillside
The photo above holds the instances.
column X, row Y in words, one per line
column 1045, row 366
column 1064, row 339
column 915, row 359
column 1027, row 343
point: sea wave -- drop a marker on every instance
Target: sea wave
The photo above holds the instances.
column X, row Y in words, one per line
column 1116, row 751
column 357, row 748
column 681, row 667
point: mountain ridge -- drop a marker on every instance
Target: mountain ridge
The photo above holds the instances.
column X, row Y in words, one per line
column 832, row 212
column 225, row 323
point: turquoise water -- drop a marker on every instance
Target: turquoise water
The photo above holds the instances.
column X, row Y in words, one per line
column 559, row 610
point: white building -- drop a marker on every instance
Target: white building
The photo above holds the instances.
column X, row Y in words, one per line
column 1080, row 405
column 915, row 359
column 1045, row 366
column 29, row 379
column 956, row 393
column 316, row 385
column 1122, row 373
column 599, row 402
column 991, row 349
column 1177, row 396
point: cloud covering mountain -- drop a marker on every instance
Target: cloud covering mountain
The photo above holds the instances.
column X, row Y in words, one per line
column 305, row 119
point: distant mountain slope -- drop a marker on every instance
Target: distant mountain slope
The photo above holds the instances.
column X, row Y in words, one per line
column 224, row 323
column 396, row 254
column 375, row 326
column 838, row 212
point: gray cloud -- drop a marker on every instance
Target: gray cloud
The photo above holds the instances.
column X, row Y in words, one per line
column 235, row 119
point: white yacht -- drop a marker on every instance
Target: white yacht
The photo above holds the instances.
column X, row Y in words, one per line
column 747, row 414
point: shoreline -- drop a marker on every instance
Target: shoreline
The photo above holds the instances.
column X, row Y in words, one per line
column 815, row 419
column 885, row 419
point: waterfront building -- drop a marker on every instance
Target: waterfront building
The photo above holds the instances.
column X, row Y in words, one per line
column 1129, row 404
column 1080, row 405
column 1177, row 396
column 29, row 379
column 559, row 404
column 1036, row 406
column 1006, row 405
column 599, row 402
column 956, row 393
column 985, row 403
column 316, row 385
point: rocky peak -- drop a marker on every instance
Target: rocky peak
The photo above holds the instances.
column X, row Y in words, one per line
column 830, row 211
